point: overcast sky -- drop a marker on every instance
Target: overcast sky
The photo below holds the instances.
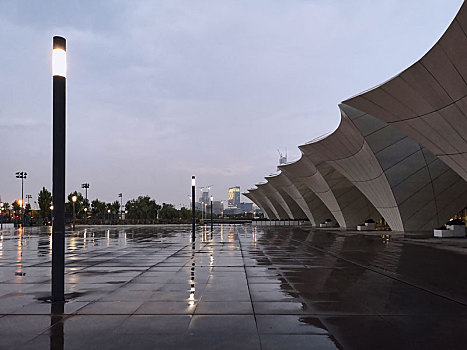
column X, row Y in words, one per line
column 161, row 90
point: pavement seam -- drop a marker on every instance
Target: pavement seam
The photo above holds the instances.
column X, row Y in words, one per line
column 249, row 292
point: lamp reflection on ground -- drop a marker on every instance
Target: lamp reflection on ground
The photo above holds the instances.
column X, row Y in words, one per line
column 191, row 298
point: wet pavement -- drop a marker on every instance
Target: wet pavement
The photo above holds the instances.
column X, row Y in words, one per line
column 239, row 287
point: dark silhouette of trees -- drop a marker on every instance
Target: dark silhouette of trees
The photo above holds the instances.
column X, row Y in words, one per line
column 142, row 208
column 44, row 199
column 98, row 209
column 168, row 212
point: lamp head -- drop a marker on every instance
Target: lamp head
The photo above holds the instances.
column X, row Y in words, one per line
column 59, row 57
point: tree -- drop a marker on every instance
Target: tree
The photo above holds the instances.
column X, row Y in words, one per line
column 98, row 208
column 168, row 212
column 115, row 207
column 16, row 208
column 44, row 200
column 185, row 213
column 142, row 208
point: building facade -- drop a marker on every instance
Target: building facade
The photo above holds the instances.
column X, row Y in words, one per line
column 399, row 154
column 234, row 197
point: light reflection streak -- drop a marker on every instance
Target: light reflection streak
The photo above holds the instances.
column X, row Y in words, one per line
column 19, row 254
column 191, row 298
column 1, row 244
column 85, row 238
column 50, row 244
column 254, row 236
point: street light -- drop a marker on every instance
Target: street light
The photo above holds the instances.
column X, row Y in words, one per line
column 212, row 199
column 22, row 175
column 73, row 200
column 58, row 168
column 193, row 217
column 1, row 215
column 120, row 195
column 85, row 186
column 85, row 215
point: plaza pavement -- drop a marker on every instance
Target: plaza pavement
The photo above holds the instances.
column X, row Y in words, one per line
column 240, row 287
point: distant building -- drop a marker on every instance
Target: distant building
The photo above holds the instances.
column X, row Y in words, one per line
column 218, row 208
column 232, row 211
column 282, row 159
column 246, row 207
column 234, row 197
column 205, row 198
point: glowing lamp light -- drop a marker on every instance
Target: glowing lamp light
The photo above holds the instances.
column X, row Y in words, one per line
column 20, row 202
column 59, row 57
column 59, row 63
column 212, row 198
column 193, row 181
column 74, row 198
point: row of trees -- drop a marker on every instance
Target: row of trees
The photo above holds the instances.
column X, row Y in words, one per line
column 141, row 208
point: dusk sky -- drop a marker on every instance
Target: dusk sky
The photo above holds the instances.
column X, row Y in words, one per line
column 160, row 90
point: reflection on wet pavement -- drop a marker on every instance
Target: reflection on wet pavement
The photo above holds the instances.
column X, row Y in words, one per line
column 239, row 287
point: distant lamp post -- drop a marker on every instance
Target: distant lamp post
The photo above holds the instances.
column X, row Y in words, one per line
column 193, row 216
column 28, row 197
column 120, row 195
column 1, row 215
column 212, row 224
column 73, row 200
column 108, row 215
column 58, row 168
column 22, row 175
column 85, row 186
column 85, row 215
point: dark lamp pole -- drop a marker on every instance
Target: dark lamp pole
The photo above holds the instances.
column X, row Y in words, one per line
column 193, row 217
column 85, row 186
column 120, row 195
column 73, row 199
column 211, row 214
column 58, row 168
column 22, row 175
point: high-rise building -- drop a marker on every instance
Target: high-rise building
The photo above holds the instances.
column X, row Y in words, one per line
column 234, row 197
column 205, row 198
